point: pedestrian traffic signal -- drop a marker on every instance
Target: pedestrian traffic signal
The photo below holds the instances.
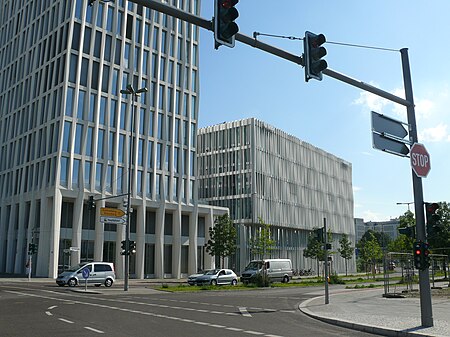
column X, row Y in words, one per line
column 312, row 57
column 124, row 247
column 432, row 218
column 132, row 247
column 224, row 26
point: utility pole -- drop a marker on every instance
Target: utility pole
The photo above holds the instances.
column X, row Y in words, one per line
column 325, row 242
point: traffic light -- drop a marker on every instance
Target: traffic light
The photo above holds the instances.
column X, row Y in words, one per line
column 432, row 218
column 319, row 234
column 91, row 203
column 313, row 53
column 418, row 255
column 224, row 26
column 408, row 231
column 124, row 247
column 132, row 247
column 32, row 248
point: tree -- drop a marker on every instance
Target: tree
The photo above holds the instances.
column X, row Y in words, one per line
column 371, row 252
column 440, row 242
column 314, row 250
column 262, row 244
column 223, row 235
column 346, row 250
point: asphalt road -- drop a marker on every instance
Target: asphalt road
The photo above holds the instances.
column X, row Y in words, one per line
column 29, row 309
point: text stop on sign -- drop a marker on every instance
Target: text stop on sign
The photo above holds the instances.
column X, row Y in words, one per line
column 420, row 160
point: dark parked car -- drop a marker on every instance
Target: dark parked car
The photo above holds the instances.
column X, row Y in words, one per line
column 191, row 278
column 217, row 276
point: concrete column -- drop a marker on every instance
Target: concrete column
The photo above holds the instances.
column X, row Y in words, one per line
column 11, row 246
column 55, row 230
column 77, row 229
column 21, row 252
column 120, row 261
column 159, row 241
column 193, row 241
column 244, row 259
column 176, row 244
column 209, row 223
column 3, row 233
column 44, row 222
column 140, row 241
column 99, row 232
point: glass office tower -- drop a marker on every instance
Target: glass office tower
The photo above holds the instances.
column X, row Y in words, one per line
column 65, row 135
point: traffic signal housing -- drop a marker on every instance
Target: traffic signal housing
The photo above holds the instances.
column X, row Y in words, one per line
column 318, row 233
column 432, row 218
column 408, row 231
column 225, row 28
column 417, row 251
column 132, row 247
column 312, row 57
column 91, row 203
column 124, row 247
column 32, row 248
column 426, row 255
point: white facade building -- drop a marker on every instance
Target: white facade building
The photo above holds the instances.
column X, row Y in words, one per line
column 257, row 171
column 65, row 135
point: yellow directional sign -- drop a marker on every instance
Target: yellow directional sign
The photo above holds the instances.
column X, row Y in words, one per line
column 111, row 212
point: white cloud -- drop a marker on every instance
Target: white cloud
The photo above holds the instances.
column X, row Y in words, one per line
column 436, row 134
column 369, row 215
column 356, row 189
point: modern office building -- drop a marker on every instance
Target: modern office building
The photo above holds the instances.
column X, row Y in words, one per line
column 389, row 227
column 258, row 171
column 66, row 134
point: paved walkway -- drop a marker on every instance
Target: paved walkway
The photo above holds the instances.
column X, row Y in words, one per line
column 367, row 310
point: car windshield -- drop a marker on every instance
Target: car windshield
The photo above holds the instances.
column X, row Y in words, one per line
column 254, row 265
column 212, row 272
column 75, row 268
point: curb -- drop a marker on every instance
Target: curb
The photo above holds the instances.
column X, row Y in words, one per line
column 353, row 325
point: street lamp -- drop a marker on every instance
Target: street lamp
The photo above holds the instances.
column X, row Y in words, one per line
column 406, row 203
column 129, row 91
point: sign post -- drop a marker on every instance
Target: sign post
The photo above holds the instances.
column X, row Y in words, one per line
column 85, row 272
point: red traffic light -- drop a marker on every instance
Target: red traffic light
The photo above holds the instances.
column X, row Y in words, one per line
column 432, row 207
column 229, row 3
column 417, row 251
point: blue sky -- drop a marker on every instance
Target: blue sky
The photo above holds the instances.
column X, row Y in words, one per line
column 330, row 114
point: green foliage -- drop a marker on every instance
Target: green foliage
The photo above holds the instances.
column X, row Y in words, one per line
column 370, row 251
column 335, row 279
column 223, row 237
column 346, row 249
column 262, row 244
column 440, row 242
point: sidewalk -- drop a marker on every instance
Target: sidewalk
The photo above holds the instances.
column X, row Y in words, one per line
column 367, row 310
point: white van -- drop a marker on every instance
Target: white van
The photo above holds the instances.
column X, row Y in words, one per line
column 276, row 269
column 99, row 273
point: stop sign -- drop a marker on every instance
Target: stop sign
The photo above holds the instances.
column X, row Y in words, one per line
column 420, row 160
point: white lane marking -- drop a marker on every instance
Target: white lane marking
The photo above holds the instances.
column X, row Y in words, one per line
column 94, row 330
column 48, row 313
column 103, row 306
column 244, row 312
column 52, row 307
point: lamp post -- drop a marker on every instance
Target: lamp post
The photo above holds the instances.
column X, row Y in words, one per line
column 129, row 91
column 406, row 203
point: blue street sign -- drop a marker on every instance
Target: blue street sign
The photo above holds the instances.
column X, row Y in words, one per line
column 85, row 273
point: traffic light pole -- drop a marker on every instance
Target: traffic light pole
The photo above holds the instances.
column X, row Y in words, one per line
column 424, row 277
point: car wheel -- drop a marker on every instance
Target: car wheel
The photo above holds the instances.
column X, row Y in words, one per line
column 72, row 282
column 213, row 282
column 108, row 283
column 61, row 285
column 234, row 282
column 285, row 279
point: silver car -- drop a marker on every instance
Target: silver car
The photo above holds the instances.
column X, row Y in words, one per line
column 99, row 273
column 191, row 278
column 217, row 276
